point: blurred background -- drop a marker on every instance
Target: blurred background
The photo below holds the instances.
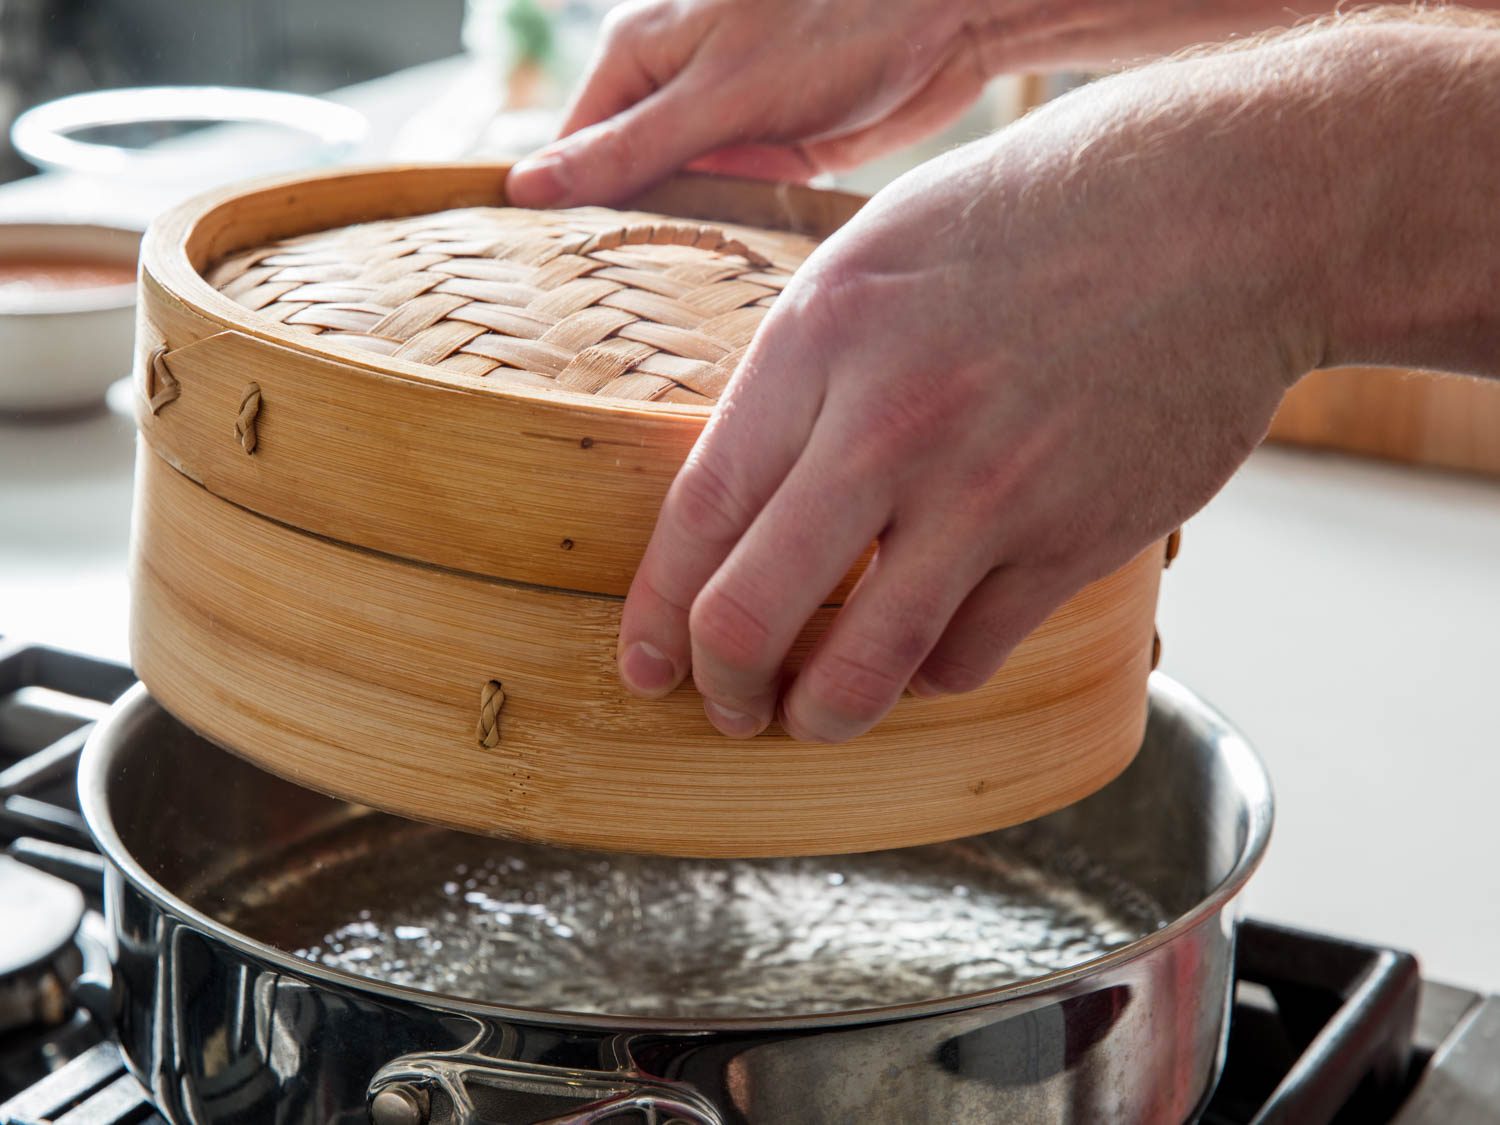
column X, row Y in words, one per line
column 494, row 56
column 1341, row 610
column 53, row 47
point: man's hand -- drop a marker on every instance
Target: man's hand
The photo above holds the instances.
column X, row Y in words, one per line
column 778, row 89
column 785, row 89
column 1018, row 366
column 1022, row 363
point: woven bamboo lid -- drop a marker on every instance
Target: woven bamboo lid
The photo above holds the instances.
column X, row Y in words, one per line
column 404, row 447
column 576, row 376
column 626, row 305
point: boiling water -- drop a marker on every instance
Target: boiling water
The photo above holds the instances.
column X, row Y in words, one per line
column 539, row 928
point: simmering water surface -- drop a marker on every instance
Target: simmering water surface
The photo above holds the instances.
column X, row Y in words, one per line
column 629, row 935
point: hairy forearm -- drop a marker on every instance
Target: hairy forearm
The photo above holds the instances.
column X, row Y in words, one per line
column 1013, row 36
column 1356, row 166
column 1406, row 116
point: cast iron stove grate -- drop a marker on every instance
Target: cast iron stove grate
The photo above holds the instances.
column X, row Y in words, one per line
column 1323, row 1031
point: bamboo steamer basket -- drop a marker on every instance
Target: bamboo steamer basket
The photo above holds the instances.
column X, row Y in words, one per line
column 387, row 510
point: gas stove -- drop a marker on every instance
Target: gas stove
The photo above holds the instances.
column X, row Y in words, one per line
column 1322, row 1031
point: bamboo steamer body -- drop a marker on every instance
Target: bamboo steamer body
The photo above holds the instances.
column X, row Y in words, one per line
column 402, row 586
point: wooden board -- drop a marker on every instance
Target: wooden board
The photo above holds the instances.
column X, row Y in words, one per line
column 361, row 675
column 1417, row 417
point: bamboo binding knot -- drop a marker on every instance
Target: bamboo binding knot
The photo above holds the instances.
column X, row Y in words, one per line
column 702, row 237
column 491, row 700
column 244, row 424
column 161, row 385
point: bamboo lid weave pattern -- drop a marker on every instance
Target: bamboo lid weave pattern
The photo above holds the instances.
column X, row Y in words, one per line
column 619, row 304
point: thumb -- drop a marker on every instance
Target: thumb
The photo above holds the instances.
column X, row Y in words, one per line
column 616, row 158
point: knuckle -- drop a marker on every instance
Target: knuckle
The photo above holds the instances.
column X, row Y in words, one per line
column 853, row 690
column 705, row 505
column 822, row 312
column 953, row 677
column 729, row 632
column 610, row 145
column 666, row 586
column 833, row 299
column 624, row 21
column 912, row 409
column 887, row 432
column 656, row 32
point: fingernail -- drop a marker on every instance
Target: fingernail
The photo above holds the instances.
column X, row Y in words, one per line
column 736, row 724
column 784, row 717
column 539, row 181
column 794, row 728
column 646, row 670
column 922, row 689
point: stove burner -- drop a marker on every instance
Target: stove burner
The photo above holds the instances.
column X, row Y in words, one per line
column 38, row 956
column 93, row 1089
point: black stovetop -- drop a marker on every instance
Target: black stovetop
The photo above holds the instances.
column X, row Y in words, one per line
column 1323, row 1030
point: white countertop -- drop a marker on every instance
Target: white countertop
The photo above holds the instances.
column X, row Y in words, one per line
column 1341, row 612
column 64, row 529
column 1345, row 614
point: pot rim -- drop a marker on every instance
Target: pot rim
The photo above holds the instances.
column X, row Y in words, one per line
column 1243, row 764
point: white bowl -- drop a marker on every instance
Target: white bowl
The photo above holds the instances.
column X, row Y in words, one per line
column 60, row 349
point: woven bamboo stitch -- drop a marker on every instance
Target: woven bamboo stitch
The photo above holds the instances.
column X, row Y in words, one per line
column 619, row 304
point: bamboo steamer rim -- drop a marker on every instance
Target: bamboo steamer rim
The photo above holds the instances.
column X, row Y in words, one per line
column 252, row 409
column 180, row 246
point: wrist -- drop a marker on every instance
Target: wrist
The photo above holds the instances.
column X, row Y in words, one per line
column 1351, row 171
column 1097, row 35
column 1411, row 276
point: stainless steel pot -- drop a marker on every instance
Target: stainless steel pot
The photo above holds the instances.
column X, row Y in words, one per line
column 225, row 1029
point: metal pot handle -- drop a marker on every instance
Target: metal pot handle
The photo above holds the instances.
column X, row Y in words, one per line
column 440, row 1088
